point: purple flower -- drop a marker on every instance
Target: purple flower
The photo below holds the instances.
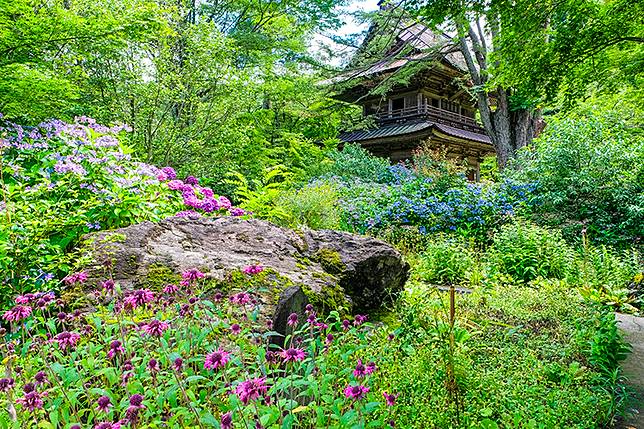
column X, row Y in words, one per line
column 175, row 185
column 153, row 365
column 32, row 399
column 25, row 299
column 329, row 339
column 169, row 172
column 235, row 328
column 177, row 364
column 108, row 286
column 361, row 370
column 292, row 320
column 293, row 355
column 66, row 339
column 107, row 425
column 171, row 289
column 346, row 324
column 241, row 298
column 41, row 378
column 236, row 211
column 79, row 277
column 311, row 319
column 136, row 400
column 115, row 348
column 371, row 368
column 103, row 404
column 192, row 274
column 155, row 328
column 356, row 392
column 391, row 399
column 6, row 384
column 192, row 180
column 139, row 298
column 251, row 389
column 188, row 213
column 215, row 360
column 227, row 420
column 17, row 313
column 225, row 203
column 253, row 269
column 359, row 320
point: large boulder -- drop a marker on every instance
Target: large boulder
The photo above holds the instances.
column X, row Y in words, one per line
column 331, row 269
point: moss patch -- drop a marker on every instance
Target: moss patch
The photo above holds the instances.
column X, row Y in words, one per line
column 158, row 276
column 330, row 260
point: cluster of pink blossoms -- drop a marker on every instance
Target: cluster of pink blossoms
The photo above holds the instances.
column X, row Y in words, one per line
column 200, row 198
column 253, row 269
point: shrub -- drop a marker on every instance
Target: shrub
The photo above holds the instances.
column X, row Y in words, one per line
column 61, row 181
column 446, row 261
column 314, row 206
column 355, row 162
column 589, row 174
column 526, row 251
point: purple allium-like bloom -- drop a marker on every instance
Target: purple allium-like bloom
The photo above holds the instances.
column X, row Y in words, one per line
column 136, row 400
column 32, row 399
column 360, row 371
column 103, row 404
column 356, row 392
column 293, row 355
column 391, row 399
column 108, row 286
column 235, row 328
column 253, row 269
column 66, row 339
column 241, row 298
column 17, row 313
column 139, row 298
column 192, row 274
column 115, row 348
column 171, row 289
column 155, row 328
column 251, row 389
column 192, row 180
column 217, row 359
column 227, row 420
column 41, row 378
column 153, row 365
column 359, row 320
column 79, row 277
column 292, row 320
column 6, row 384
column 177, row 364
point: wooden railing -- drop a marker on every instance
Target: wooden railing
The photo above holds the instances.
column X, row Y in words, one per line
column 435, row 113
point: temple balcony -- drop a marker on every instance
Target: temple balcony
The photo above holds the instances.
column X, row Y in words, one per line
column 426, row 112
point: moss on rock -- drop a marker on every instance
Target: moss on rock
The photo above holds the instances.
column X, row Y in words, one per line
column 330, row 260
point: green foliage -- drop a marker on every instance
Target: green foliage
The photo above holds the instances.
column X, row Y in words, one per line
column 353, row 161
column 446, row 261
column 526, row 251
column 588, row 169
column 314, row 206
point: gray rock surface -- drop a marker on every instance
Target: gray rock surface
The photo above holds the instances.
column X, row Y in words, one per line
column 334, row 266
column 633, row 367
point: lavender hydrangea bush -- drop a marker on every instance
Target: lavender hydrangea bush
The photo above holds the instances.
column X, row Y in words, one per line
column 62, row 180
column 184, row 358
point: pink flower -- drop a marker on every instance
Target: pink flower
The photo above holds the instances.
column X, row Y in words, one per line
column 235, row 328
column 17, row 313
column 6, row 384
column 224, row 203
column 227, row 421
column 108, row 286
column 170, row 289
column 391, row 399
column 356, row 392
column 66, row 339
column 293, row 355
column 139, row 298
column 32, row 399
column 25, row 299
column 371, row 368
column 169, row 172
column 236, row 211
column 215, row 360
column 78, row 277
column 292, row 320
column 175, row 185
column 359, row 320
column 153, row 365
column 177, row 364
column 192, row 274
column 107, row 425
column 103, row 404
column 251, row 389
column 360, row 370
column 241, row 298
column 155, row 328
column 192, row 180
column 253, row 269
column 115, row 348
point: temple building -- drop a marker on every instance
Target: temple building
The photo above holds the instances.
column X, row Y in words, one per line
column 431, row 105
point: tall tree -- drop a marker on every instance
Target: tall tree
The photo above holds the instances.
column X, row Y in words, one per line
column 519, row 52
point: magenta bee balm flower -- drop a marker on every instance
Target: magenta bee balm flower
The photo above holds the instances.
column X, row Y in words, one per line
column 66, row 339
column 293, row 355
column 292, row 320
column 155, row 328
column 17, row 313
column 356, row 392
column 391, row 399
column 217, row 359
column 227, row 420
column 251, row 389
column 103, row 404
column 360, row 371
column 139, row 298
